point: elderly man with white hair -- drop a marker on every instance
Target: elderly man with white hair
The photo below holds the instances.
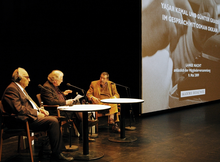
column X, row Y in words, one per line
column 52, row 95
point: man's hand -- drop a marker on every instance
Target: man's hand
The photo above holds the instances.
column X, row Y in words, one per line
column 209, row 9
column 45, row 112
column 40, row 115
column 157, row 34
column 95, row 100
column 66, row 92
column 69, row 102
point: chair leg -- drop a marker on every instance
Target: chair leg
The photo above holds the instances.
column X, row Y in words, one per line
column 97, row 124
column 29, row 141
column 20, row 143
column 61, row 128
column 1, row 141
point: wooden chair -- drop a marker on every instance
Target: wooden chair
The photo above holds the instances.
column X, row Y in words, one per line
column 62, row 119
column 20, row 132
column 51, row 108
column 98, row 115
column 48, row 107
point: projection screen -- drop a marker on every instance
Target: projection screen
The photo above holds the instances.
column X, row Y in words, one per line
column 180, row 53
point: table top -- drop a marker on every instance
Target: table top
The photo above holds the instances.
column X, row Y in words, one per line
column 122, row 100
column 88, row 107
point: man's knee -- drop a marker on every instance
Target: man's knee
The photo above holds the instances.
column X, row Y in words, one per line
column 53, row 120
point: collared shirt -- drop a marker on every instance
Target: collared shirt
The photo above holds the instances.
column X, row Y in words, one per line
column 22, row 89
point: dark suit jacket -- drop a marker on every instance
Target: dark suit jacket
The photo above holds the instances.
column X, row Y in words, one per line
column 49, row 96
column 15, row 102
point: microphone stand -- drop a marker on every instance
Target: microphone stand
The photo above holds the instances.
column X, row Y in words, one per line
column 83, row 91
column 131, row 109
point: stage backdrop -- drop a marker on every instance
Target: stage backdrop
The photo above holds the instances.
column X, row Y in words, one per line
column 180, row 53
column 80, row 38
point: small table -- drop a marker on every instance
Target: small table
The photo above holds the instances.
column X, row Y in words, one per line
column 122, row 137
column 85, row 109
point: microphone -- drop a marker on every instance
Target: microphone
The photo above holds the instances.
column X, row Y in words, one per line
column 131, row 109
column 120, row 85
column 83, row 91
column 70, row 85
column 42, row 87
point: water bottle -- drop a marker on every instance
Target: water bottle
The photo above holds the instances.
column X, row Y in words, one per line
column 42, row 105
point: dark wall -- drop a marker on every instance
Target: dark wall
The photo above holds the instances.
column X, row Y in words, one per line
column 80, row 38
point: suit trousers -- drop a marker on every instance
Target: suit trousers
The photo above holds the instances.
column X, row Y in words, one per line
column 51, row 125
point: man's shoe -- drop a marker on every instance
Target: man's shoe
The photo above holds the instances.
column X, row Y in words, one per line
column 61, row 158
column 91, row 139
column 116, row 129
column 44, row 154
column 92, row 122
column 70, row 149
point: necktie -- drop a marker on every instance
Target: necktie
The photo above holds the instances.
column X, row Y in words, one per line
column 30, row 99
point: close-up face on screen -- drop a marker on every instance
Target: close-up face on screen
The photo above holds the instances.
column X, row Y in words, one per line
column 180, row 53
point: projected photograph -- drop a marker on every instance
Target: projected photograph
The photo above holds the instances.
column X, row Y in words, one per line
column 180, row 53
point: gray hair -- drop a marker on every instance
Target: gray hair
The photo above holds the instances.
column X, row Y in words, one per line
column 55, row 75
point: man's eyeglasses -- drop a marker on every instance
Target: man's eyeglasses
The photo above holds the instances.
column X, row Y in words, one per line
column 27, row 77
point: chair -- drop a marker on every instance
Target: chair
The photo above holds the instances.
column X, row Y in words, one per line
column 48, row 107
column 62, row 119
column 4, row 117
column 98, row 115
column 51, row 108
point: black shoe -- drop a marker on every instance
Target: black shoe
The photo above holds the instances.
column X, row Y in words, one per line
column 89, row 139
column 92, row 122
column 44, row 154
column 116, row 129
column 60, row 158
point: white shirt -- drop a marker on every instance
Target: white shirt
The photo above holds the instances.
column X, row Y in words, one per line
column 22, row 89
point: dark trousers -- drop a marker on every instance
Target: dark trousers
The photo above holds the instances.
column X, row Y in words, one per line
column 51, row 125
column 77, row 119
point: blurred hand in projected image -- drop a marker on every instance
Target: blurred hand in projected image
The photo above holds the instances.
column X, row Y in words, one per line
column 207, row 8
column 157, row 33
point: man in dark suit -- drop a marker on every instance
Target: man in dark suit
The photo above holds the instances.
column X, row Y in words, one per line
column 52, row 95
column 16, row 101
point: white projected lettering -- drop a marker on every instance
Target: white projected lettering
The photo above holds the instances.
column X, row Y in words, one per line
column 190, row 93
column 174, row 9
column 190, row 69
column 172, row 19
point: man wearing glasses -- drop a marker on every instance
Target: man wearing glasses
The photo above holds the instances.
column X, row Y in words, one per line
column 16, row 101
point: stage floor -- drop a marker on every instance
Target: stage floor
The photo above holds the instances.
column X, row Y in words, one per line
column 182, row 135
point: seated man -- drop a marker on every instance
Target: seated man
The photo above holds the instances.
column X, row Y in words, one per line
column 104, row 89
column 16, row 101
column 51, row 95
